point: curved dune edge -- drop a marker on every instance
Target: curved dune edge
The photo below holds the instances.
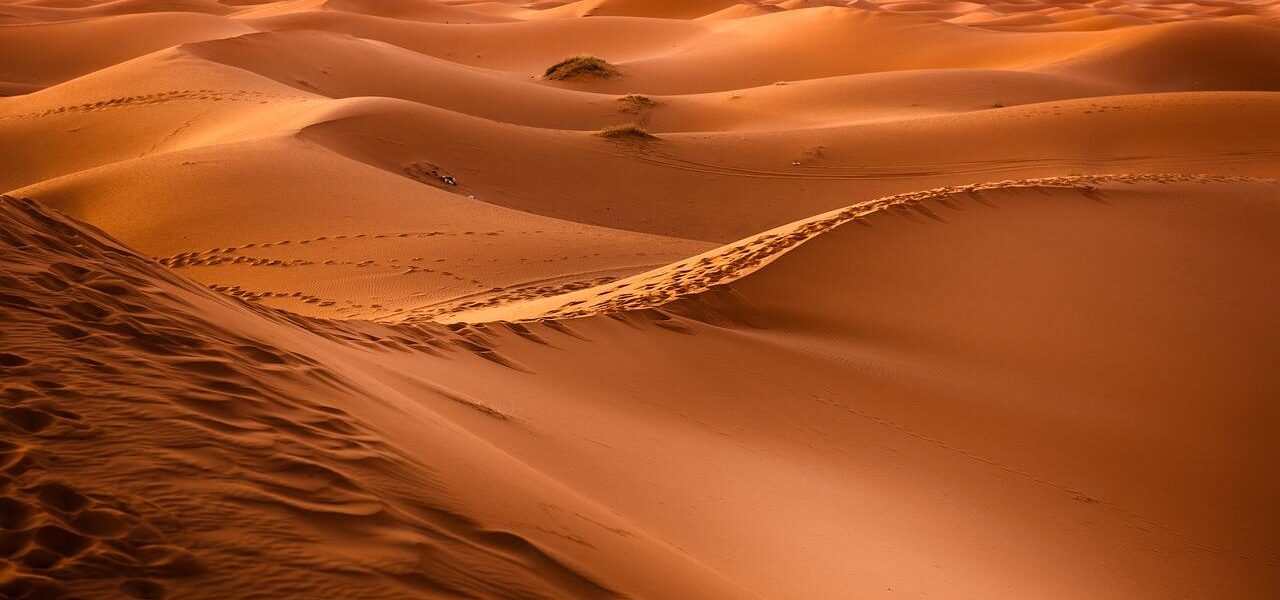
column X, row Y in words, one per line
column 734, row 261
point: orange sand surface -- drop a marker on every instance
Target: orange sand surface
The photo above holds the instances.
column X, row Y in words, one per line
column 743, row 300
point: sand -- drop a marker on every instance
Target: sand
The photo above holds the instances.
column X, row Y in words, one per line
column 348, row 299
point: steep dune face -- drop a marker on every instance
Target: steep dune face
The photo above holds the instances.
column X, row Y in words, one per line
column 785, row 300
column 163, row 439
column 1209, row 55
column 82, row 316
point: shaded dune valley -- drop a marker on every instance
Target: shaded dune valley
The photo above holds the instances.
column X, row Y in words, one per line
column 639, row 300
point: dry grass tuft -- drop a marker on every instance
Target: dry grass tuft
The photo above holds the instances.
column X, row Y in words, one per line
column 637, row 100
column 631, row 131
column 580, row 66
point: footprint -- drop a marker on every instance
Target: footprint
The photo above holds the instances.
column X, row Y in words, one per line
column 12, row 360
column 61, row 497
column 167, row 560
column 142, row 588
column 64, row 542
column 14, row 514
column 40, row 559
column 100, row 524
column 31, row 421
column 32, row 586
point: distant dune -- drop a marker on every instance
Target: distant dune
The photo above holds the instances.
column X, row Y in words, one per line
column 784, row 300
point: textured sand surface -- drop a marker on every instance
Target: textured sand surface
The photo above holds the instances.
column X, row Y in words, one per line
column 356, row 299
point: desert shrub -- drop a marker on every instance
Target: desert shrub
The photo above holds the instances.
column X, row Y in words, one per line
column 635, row 103
column 579, row 66
column 626, row 131
column 637, row 100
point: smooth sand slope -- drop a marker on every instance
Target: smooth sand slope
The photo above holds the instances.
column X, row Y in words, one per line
column 352, row 299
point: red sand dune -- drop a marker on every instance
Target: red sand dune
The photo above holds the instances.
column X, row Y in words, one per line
column 787, row 300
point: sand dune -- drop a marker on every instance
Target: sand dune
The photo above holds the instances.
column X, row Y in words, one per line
column 49, row 53
column 20, row 12
column 333, row 507
column 787, row 313
column 528, row 47
column 785, row 300
column 935, row 365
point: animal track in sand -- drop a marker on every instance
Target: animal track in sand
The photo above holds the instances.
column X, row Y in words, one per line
column 506, row 295
column 257, row 296
column 231, row 256
column 196, row 260
column 51, row 530
column 187, row 257
column 156, row 98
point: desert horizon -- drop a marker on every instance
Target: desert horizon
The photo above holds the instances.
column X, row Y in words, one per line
column 639, row 299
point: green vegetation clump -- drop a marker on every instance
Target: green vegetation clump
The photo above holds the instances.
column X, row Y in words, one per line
column 580, row 66
column 626, row 131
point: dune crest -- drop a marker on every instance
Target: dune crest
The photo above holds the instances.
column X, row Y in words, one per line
column 728, row 263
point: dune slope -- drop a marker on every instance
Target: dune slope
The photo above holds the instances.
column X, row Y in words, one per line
column 239, row 455
column 749, row 299
column 971, row 392
column 933, row 416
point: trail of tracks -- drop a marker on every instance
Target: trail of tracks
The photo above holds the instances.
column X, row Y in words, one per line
column 153, row 99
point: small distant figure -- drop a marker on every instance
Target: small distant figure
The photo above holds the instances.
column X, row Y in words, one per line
column 471, row 196
column 449, row 180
